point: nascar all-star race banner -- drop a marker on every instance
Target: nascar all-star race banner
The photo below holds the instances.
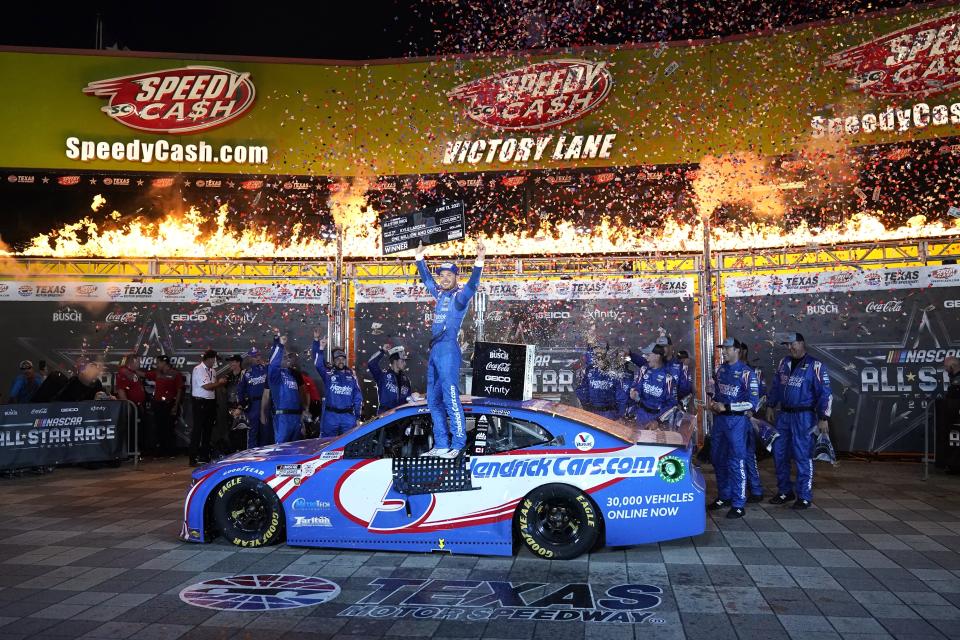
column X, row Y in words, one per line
column 882, row 78
column 882, row 333
column 58, row 321
column 36, row 435
column 557, row 316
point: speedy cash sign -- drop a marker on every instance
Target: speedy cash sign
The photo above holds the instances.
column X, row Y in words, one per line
column 535, row 97
column 185, row 100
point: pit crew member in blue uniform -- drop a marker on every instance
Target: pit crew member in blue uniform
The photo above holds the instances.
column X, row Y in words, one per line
column 602, row 388
column 443, row 365
column 801, row 388
column 653, row 395
column 675, row 366
column 393, row 385
column 342, row 401
column 284, row 392
column 754, row 484
column 736, row 395
column 250, row 390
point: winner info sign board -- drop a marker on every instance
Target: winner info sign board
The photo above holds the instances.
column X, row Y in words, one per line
column 434, row 225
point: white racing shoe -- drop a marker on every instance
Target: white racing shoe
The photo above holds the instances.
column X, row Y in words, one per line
column 434, row 453
column 449, row 453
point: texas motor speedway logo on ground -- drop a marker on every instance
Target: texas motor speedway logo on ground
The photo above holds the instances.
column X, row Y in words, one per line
column 487, row 600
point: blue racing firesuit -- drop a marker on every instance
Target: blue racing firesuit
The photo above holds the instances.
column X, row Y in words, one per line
column 443, row 366
column 737, row 388
column 657, row 389
column 343, row 399
column 250, row 394
column 602, row 392
column 679, row 371
column 754, row 485
column 802, row 390
column 392, row 388
column 285, row 396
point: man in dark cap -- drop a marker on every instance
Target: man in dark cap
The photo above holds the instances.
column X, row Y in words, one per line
column 343, row 400
column 654, row 390
column 801, row 388
column 284, row 392
column 250, row 394
column 736, row 395
column 393, row 385
column 25, row 384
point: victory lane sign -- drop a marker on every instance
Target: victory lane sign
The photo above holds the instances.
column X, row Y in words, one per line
column 434, row 225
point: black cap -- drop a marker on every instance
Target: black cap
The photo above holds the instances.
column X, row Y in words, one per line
column 163, row 359
column 789, row 338
column 682, row 353
column 338, row 353
column 732, row 342
column 209, row 353
column 235, row 358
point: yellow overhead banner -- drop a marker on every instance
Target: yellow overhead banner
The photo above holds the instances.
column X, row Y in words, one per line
column 879, row 79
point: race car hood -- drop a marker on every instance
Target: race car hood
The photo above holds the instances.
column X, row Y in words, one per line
column 287, row 453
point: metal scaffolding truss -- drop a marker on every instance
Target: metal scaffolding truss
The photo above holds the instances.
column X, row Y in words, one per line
column 169, row 268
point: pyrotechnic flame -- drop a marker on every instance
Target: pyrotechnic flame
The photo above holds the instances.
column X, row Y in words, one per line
column 98, row 202
column 189, row 236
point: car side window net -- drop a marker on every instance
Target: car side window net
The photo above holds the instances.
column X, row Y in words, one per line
column 489, row 434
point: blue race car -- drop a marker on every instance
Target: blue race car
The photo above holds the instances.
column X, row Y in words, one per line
column 554, row 478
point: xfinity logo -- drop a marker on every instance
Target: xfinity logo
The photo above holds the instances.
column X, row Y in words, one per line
column 597, row 314
column 246, row 317
column 822, row 309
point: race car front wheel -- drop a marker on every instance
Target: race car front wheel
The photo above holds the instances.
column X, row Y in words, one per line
column 557, row 522
column 247, row 512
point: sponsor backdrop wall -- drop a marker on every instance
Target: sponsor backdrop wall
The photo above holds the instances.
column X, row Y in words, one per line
column 883, row 335
column 557, row 316
column 890, row 77
column 60, row 321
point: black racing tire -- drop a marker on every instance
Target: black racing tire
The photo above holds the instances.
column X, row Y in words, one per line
column 247, row 512
column 557, row 522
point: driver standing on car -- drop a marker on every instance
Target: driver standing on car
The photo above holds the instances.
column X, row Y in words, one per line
column 443, row 365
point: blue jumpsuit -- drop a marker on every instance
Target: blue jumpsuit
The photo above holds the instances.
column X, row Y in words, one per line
column 736, row 386
column 754, row 485
column 285, row 396
column 679, row 371
column 443, row 366
column 658, row 393
column 602, row 392
column 393, row 389
column 342, row 400
column 803, row 394
column 250, row 395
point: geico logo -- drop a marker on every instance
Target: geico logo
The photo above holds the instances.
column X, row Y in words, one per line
column 552, row 315
column 497, row 378
column 188, row 317
column 69, row 409
column 951, row 304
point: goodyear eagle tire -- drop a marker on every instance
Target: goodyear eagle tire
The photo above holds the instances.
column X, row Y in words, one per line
column 247, row 512
column 557, row 522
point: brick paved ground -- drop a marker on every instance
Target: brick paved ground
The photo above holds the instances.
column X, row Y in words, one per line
column 93, row 554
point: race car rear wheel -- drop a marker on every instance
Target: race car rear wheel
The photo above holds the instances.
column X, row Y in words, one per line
column 247, row 512
column 557, row 522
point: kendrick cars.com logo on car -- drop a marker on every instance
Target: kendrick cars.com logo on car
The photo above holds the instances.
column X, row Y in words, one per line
column 186, row 100
column 537, row 96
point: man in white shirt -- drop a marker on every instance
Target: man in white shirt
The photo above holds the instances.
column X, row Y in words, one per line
column 203, row 385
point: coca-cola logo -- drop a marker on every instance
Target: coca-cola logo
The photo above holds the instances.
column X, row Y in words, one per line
column 537, row 96
column 126, row 317
column 174, row 290
column 841, row 279
column 68, row 181
column 374, row 292
column 890, row 306
column 86, row 290
column 943, row 273
column 919, row 59
column 537, row 287
column 185, row 100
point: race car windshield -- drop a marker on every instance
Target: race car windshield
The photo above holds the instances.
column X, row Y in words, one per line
column 626, row 432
